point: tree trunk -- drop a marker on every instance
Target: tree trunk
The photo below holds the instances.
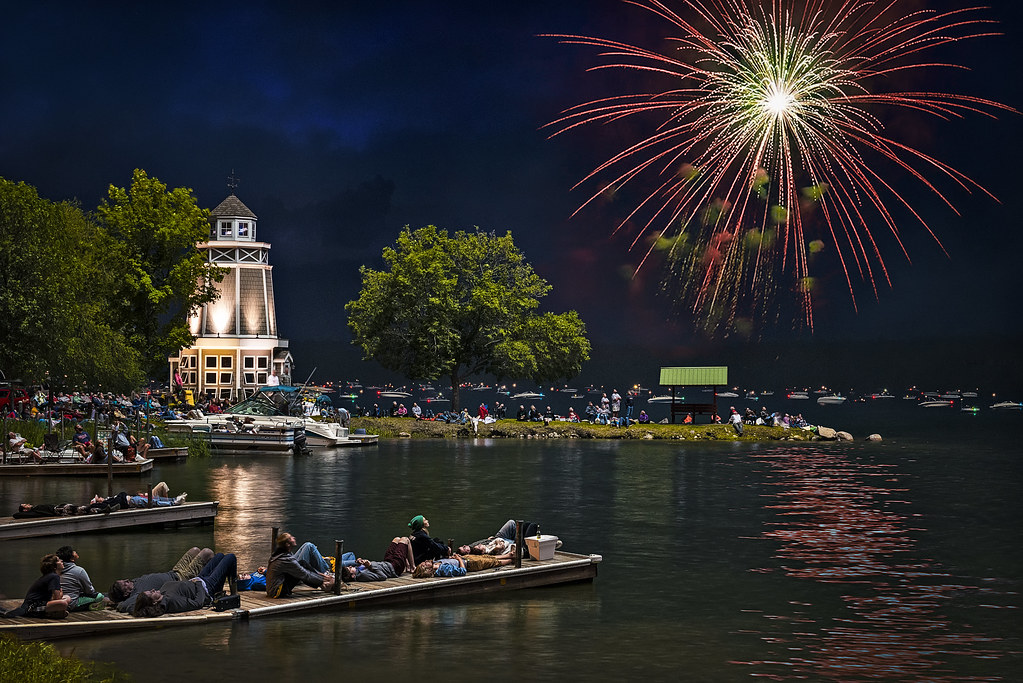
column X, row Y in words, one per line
column 456, row 402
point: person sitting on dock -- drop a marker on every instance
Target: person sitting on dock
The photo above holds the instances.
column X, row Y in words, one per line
column 75, row 582
column 81, row 442
column 18, row 445
column 423, row 547
column 184, row 596
column 398, row 559
column 44, row 597
column 284, row 571
column 123, row 592
column 98, row 455
column 453, row 566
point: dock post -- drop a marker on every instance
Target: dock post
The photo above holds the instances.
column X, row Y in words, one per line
column 339, row 550
column 518, row 543
column 273, row 539
column 149, row 503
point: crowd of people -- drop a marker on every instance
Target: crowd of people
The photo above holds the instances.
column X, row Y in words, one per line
column 102, row 505
column 201, row 576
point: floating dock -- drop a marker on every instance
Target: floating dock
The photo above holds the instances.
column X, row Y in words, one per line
column 563, row 569
column 168, row 453
column 186, row 513
column 76, row 469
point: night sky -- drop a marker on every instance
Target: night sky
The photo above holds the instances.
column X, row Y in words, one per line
column 345, row 121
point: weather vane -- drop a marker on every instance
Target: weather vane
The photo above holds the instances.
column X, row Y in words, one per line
column 232, row 181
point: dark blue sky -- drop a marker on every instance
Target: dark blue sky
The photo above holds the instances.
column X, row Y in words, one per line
column 348, row 120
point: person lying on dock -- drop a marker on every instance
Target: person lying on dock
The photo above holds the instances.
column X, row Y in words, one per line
column 124, row 592
column 453, row 566
column 123, row 500
column 44, row 597
column 501, row 543
column 398, row 559
column 252, row 581
column 75, row 582
column 423, row 547
column 286, row 569
column 184, row 596
column 30, row 511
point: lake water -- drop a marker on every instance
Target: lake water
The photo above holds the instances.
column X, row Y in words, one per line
column 894, row 561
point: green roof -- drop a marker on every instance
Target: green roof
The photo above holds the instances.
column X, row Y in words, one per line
column 688, row 377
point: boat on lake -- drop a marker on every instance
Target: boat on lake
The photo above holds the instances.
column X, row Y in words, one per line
column 831, row 400
column 936, row 403
column 1007, row 405
column 528, row 395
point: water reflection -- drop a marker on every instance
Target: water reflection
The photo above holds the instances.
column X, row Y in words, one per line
column 842, row 518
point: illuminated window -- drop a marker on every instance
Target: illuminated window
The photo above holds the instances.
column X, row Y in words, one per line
column 225, row 229
column 243, row 230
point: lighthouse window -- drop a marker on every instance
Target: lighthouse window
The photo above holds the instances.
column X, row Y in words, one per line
column 243, row 230
column 225, row 229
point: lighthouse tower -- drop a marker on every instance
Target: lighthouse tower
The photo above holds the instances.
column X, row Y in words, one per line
column 237, row 346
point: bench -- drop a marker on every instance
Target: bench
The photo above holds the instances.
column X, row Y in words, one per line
column 694, row 408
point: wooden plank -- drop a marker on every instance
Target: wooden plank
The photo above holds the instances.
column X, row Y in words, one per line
column 169, row 453
column 564, row 568
column 185, row 513
column 66, row 469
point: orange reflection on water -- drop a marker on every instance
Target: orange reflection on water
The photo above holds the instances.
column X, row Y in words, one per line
column 837, row 521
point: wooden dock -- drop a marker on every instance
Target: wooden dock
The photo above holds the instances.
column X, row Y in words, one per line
column 186, row 513
column 168, row 453
column 75, row 469
column 563, row 569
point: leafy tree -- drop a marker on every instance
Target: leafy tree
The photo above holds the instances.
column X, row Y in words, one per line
column 162, row 278
column 55, row 277
column 462, row 306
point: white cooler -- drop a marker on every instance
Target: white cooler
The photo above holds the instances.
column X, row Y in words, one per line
column 542, row 547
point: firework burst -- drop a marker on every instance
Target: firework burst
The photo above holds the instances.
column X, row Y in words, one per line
column 761, row 153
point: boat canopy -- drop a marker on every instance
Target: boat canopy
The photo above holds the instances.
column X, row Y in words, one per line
column 281, row 400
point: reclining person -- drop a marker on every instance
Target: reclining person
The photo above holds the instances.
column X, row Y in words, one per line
column 286, row 569
column 184, row 596
column 124, row 592
column 397, row 560
column 452, row 566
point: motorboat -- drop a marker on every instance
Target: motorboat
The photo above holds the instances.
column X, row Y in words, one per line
column 798, row 395
column 936, row 403
column 831, row 400
column 280, row 418
column 527, row 395
column 663, row 399
column 727, row 394
column 1007, row 405
column 880, row 395
column 394, row 393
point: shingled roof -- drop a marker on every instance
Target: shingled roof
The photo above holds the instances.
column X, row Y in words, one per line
column 232, row 206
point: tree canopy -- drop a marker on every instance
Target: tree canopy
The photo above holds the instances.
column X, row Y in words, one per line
column 55, row 280
column 99, row 299
column 463, row 306
column 162, row 277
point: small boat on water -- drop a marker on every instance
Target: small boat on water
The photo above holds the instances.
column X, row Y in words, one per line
column 936, row 403
column 880, row 395
column 528, row 395
column 831, row 400
column 798, row 395
column 662, row 399
column 1007, row 405
column 394, row 394
column 727, row 394
column 273, row 419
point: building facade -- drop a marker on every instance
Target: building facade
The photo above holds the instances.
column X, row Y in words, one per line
column 237, row 347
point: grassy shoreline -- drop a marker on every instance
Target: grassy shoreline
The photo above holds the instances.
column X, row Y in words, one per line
column 403, row 427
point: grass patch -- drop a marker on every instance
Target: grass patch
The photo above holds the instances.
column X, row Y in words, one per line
column 38, row 662
column 399, row 427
